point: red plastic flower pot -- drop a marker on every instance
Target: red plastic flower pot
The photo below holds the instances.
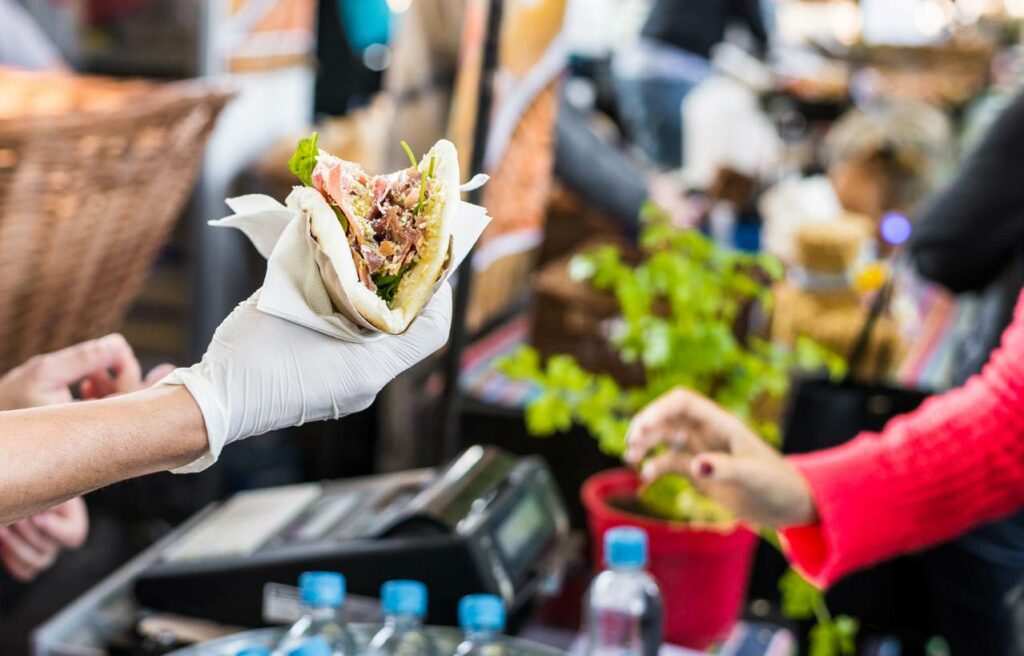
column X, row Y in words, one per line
column 702, row 572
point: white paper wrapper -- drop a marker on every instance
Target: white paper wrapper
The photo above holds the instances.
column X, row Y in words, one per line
column 293, row 289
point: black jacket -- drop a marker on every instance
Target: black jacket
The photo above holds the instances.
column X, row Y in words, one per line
column 970, row 236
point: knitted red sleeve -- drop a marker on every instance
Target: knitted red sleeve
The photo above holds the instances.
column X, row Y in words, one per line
column 954, row 463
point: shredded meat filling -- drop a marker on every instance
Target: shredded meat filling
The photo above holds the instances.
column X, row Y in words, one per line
column 386, row 231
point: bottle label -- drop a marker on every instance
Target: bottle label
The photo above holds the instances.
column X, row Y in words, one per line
column 281, row 603
column 618, row 632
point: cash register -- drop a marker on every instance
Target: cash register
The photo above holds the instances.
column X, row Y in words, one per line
column 486, row 522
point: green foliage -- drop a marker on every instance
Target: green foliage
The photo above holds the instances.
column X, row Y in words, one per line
column 836, row 637
column 409, row 154
column 829, row 636
column 303, row 160
column 800, row 599
column 681, row 309
column 675, row 496
column 423, row 186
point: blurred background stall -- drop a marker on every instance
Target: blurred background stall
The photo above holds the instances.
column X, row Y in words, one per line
column 805, row 209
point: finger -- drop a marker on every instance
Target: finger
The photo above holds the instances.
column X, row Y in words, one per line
column 74, row 363
column 439, row 309
column 429, row 332
column 67, row 524
column 87, row 390
column 671, row 462
column 126, row 369
column 98, row 385
column 16, row 548
column 718, row 468
column 18, row 570
column 157, row 373
column 679, row 409
column 33, row 537
column 640, row 441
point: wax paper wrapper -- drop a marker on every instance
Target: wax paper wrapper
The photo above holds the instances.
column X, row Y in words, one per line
column 294, row 289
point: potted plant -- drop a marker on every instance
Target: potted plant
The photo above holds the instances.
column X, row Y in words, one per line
column 686, row 310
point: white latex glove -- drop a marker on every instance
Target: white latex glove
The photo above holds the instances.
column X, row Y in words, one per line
column 262, row 373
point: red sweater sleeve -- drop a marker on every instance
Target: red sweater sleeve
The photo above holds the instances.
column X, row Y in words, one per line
column 954, row 463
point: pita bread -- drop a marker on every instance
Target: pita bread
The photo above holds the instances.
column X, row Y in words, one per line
column 337, row 266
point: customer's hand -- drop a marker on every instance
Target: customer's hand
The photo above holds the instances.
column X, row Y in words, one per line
column 722, row 456
column 262, row 373
column 30, row 546
column 103, row 366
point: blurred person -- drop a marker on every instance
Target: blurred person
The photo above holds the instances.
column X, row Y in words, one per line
column 607, row 179
column 969, row 238
column 101, row 368
column 23, row 43
column 652, row 76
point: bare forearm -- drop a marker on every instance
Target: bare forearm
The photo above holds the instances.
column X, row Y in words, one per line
column 48, row 455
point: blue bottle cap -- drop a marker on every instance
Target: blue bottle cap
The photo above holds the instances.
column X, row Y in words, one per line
column 482, row 612
column 254, row 651
column 322, row 589
column 404, row 598
column 625, row 546
column 315, row 646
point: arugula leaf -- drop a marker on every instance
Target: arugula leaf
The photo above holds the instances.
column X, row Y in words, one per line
column 303, row 160
column 423, row 186
column 387, row 284
column 408, row 151
column 341, row 217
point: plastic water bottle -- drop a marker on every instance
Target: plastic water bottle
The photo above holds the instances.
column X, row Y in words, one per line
column 404, row 604
column 482, row 618
column 623, row 607
column 254, row 651
column 322, row 594
column 315, row 646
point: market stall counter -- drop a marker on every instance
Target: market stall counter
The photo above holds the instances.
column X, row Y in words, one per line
column 486, row 522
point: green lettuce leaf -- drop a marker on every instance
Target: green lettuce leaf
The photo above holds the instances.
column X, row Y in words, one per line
column 304, row 159
column 387, row 284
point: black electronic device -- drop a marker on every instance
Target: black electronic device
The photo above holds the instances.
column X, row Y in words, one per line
column 486, row 522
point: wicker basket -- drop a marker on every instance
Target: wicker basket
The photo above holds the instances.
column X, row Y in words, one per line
column 87, row 197
column 570, row 220
column 573, row 318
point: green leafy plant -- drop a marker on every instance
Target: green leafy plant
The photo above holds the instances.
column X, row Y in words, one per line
column 684, row 311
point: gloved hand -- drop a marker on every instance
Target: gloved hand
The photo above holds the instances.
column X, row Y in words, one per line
column 263, row 373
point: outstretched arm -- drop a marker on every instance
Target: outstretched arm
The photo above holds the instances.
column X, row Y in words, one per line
column 259, row 374
column 56, row 453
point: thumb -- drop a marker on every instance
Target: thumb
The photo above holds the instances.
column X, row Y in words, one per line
column 429, row 332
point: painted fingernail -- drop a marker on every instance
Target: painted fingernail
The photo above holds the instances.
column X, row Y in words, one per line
column 705, row 469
